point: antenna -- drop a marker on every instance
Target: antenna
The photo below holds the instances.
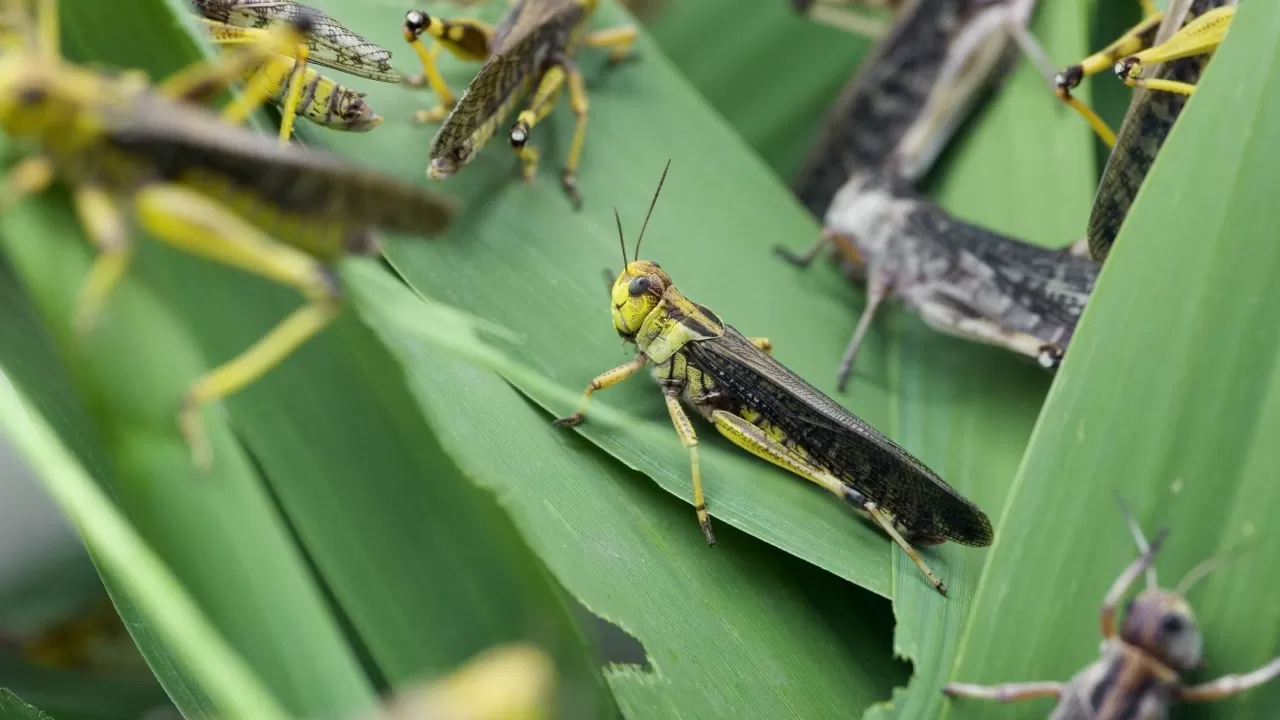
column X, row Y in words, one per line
column 1140, row 540
column 621, row 240
column 651, row 204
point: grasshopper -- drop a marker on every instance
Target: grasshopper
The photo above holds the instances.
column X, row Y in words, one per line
column 764, row 408
column 532, row 48
column 961, row 279
column 909, row 97
column 513, row 681
column 295, row 88
column 198, row 182
column 1139, row 675
column 1186, row 32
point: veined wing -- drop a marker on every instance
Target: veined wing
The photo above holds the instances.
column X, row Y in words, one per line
column 1146, row 125
column 332, row 44
column 851, row 449
column 1052, row 284
column 181, row 142
column 534, row 20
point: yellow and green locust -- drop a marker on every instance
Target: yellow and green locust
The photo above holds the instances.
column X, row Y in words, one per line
column 290, row 84
column 196, row 181
column 764, row 408
column 532, row 49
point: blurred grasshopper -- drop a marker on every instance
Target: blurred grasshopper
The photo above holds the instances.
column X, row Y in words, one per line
column 1139, row 675
column 769, row 411
column 515, row 681
column 197, row 182
column 911, row 94
column 961, row 279
column 1187, row 31
column 294, row 87
column 532, row 48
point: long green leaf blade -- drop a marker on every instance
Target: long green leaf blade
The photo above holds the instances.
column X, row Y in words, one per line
column 1169, row 397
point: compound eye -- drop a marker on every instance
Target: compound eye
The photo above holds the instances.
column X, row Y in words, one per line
column 1172, row 625
column 415, row 20
column 639, row 286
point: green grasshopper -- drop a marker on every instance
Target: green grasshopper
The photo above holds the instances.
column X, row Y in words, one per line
column 1155, row 108
column 531, row 49
column 1139, row 675
column 197, row 182
column 294, row 87
column 764, row 408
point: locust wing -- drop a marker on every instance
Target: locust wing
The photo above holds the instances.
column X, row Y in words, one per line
column 851, row 449
column 1049, row 285
column 528, row 35
column 332, row 44
column 184, row 143
column 1146, row 124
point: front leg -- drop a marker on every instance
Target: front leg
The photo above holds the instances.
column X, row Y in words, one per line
column 1011, row 692
column 104, row 224
column 1230, row 684
column 689, row 439
column 837, row 14
column 544, row 99
column 605, row 379
column 1202, row 35
column 466, row 39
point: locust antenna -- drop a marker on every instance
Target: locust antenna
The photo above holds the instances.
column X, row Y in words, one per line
column 651, row 204
column 1140, row 540
column 622, row 242
column 1205, row 568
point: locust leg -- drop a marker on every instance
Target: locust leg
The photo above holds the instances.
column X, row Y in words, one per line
column 1202, row 35
column 689, row 439
column 1011, row 692
column 842, row 242
column 1228, row 685
column 878, row 289
column 189, row 221
column 755, row 441
column 466, row 39
column 204, row 79
column 105, row 226
column 619, row 40
column 1137, row 38
column 836, row 14
column 580, row 105
column 1107, row 613
column 605, row 379
column 28, row 177
column 544, row 99
column 297, row 77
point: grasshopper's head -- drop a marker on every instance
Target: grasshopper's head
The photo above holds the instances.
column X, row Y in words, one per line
column 635, row 294
column 39, row 97
column 1161, row 623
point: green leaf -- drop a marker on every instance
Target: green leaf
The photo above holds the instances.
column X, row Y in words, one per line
column 1169, row 397
column 138, row 569
column 426, row 573
column 77, row 695
column 13, row 708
